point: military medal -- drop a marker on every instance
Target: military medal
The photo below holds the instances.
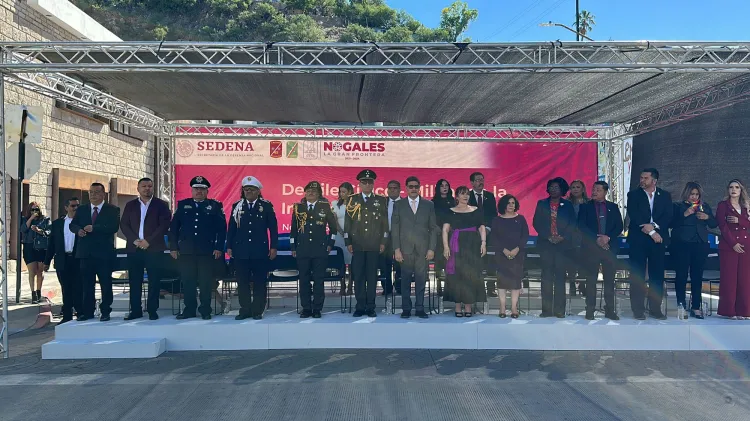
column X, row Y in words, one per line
column 260, row 208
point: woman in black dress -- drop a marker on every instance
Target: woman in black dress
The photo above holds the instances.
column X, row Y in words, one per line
column 509, row 235
column 464, row 245
column 443, row 201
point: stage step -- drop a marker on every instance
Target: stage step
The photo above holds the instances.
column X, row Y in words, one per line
column 68, row 349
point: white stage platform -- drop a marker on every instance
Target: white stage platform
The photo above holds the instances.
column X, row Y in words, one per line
column 283, row 329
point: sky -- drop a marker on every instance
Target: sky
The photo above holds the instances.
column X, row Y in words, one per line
column 617, row 20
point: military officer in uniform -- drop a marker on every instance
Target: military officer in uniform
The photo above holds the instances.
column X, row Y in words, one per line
column 312, row 236
column 196, row 240
column 250, row 224
column 365, row 235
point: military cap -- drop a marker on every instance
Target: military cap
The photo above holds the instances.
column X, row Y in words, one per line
column 251, row 181
column 200, row 182
column 312, row 185
column 366, row 175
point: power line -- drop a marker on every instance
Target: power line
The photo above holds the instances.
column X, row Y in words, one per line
column 515, row 19
column 537, row 19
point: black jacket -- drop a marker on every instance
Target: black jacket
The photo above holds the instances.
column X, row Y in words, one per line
column 588, row 225
column 489, row 206
column 308, row 235
column 684, row 228
column 100, row 242
column 566, row 222
column 198, row 228
column 639, row 213
column 56, row 248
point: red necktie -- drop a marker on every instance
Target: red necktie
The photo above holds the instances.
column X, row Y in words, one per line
column 94, row 215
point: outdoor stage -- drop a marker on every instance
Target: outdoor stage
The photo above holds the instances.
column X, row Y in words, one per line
column 283, row 329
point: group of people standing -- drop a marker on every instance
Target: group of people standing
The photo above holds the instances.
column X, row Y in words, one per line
column 575, row 235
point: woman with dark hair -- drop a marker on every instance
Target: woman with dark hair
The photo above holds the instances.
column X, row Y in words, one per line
column 554, row 222
column 443, row 201
column 692, row 219
column 577, row 196
column 509, row 235
column 339, row 209
column 35, row 229
column 733, row 216
column 464, row 245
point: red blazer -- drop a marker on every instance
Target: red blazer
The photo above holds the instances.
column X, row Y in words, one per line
column 155, row 226
column 732, row 234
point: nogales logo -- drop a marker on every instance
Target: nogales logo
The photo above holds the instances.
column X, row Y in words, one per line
column 348, row 149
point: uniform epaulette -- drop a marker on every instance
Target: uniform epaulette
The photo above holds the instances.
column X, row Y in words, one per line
column 265, row 201
column 237, row 202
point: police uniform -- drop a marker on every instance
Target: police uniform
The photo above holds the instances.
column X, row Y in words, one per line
column 366, row 230
column 197, row 230
column 312, row 235
column 249, row 227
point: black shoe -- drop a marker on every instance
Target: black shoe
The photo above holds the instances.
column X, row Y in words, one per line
column 371, row 313
column 491, row 293
column 611, row 315
column 34, row 298
column 133, row 316
column 640, row 316
column 658, row 315
column 421, row 315
column 83, row 318
column 545, row 314
column 560, row 315
column 206, row 317
column 358, row 313
column 589, row 315
column 258, row 317
column 242, row 316
column 305, row 314
column 153, row 316
column 405, row 314
column 502, row 315
column 183, row 316
column 104, row 318
column 697, row 316
column 316, row 314
column 64, row 320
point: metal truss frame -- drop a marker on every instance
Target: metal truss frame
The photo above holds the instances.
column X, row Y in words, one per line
column 4, row 329
column 642, row 56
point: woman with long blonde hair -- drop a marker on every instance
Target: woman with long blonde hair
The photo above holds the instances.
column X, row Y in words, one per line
column 577, row 196
column 733, row 216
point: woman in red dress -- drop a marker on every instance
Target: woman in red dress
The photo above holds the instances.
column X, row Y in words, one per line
column 734, row 252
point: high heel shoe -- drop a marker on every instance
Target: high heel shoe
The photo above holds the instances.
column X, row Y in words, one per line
column 697, row 316
column 502, row 315
column 513, row 315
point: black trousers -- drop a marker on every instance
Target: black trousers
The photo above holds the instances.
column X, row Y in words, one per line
column 554, row 260
column 255, row 271
column 388, row 265
column 689, row 258
column 197, row 272
column 648, row 254
column 413, row 264
column 593, row 258
column 576, row 262
column 365, row 271
column 151, row 261
column 90, row 270
column 70, row 283
column 312, row 269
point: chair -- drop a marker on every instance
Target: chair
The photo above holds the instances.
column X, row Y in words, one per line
column 336, row 272
column 283, row 270
column 121, row 265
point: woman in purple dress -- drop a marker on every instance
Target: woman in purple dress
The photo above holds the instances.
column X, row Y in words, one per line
column 509, row 235
column 464, row 245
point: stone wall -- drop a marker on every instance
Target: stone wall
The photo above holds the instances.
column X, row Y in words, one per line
column 70, row 141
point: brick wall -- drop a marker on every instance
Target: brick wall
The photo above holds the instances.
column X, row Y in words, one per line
column 70, row 141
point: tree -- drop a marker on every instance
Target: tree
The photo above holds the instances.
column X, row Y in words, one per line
column 160, row 32
column 358, row 33
column 303, row 28
column 398, row 34
column 425, row 34
column 586, row 22
column 456, row 18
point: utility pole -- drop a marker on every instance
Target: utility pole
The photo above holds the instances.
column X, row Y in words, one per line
column 578, row 23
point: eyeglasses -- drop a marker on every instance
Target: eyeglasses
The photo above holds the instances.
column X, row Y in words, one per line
column 412, row 186
column 366, row 181
column 35, row 209
column 72, row 206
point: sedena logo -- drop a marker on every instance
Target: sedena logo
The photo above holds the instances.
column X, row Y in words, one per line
column 275, row 148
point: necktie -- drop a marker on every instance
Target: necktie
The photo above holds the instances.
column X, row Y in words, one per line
column 367, row 198
column 309, row 209
column 479, row 200
column 413, row 206
column 94, row 215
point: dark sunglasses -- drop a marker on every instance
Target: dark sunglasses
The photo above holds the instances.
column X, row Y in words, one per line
column 35, row 209
column 366, row 181
column 73, row 206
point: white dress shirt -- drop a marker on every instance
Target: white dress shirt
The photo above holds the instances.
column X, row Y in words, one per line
column 97, row 207
column 651, row 197
column 70, row 238
column 144, row 210
column 311, row 204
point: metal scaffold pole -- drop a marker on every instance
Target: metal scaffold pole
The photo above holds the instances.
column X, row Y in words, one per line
column 3, row 225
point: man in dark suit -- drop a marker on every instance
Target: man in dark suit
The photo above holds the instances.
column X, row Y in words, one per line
column 196, row 241
column 365, row 235
column 486, row 203
column 96, row 224
column 414, row 235
column 311, row 238
column 145, row 222
column 62, row 248
column 600, row 225
column 650, row 211
column 554, row 222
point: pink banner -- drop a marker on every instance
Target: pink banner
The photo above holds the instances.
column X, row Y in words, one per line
column 284, row 167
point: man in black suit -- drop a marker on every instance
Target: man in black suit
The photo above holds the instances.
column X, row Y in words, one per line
column 145, row 222
column 650, row 212
column 600, row 225
column 62, row 248
column 96, row 224
column 486, row 203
